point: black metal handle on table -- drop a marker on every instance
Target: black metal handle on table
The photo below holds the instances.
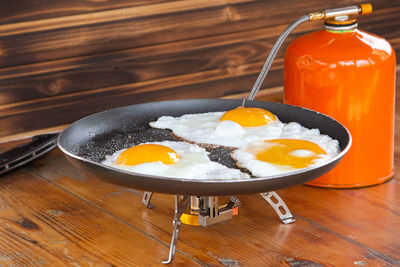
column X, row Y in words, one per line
column 24, row 153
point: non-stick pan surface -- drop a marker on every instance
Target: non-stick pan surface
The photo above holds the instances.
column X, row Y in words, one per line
column 87, row 141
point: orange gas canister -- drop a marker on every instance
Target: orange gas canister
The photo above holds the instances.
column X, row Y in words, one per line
column 349, row 75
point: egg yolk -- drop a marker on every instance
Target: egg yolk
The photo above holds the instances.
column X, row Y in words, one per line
column 147, row 153
column 290, row 152
column 249, row 117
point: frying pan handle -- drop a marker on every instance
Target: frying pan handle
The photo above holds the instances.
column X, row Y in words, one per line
column 22, row 154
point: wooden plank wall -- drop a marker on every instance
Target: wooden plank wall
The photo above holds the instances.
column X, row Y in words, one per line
column 62, row 60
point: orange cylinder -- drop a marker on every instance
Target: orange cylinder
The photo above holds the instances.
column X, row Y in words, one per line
column 350, row 76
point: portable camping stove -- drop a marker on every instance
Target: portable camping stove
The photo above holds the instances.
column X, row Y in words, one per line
column 205, row 210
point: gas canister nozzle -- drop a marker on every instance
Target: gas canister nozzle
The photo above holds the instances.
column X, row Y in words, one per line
column 362, row 9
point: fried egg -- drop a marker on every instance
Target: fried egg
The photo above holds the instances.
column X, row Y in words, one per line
column 280, row 156
column 171, row 159
column 235, row 128
column 265, row 145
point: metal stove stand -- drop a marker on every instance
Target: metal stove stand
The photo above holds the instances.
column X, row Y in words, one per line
column 199, row 210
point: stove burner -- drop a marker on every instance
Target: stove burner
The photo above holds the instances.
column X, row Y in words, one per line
column 205, row 210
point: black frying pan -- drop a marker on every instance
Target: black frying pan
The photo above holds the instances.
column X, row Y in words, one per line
column 88, row 140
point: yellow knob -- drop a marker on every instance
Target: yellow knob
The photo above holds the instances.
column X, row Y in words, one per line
column 190, row 219
column 365, row 9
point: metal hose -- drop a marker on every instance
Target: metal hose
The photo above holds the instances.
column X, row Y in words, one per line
column 272, row 54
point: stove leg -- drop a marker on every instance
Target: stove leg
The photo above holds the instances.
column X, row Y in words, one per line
column 279, row 206
column 181, row 203
column 146, row 200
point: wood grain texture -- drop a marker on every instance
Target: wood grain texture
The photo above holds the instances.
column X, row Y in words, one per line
column 265, row 241
column 61, row 61
column 27, row 11
column 42, row 225
column 230, row 53
column 111, row 15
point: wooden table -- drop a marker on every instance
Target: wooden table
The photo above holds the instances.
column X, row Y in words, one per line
column 51, row 215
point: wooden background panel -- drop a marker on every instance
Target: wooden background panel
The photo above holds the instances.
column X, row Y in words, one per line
column 56, row 67
column 27, row 10
column 77, row 105
column 132, row 66
column 230, row 52
column 30, row 44
column 48, row 41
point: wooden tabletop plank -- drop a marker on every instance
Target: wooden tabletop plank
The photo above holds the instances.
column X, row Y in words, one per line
column 265, row 240
column 369, row 216
column 43, row 225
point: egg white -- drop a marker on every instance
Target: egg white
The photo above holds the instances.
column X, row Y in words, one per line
column 193, row 163
column 246, row 156
column 206, row 128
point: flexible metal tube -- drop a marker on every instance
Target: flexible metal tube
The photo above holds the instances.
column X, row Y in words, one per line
column 272, row 54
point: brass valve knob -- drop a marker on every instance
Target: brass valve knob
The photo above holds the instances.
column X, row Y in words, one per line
column 350, row 11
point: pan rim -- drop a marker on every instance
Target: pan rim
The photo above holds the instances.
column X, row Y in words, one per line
column 216, row 181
